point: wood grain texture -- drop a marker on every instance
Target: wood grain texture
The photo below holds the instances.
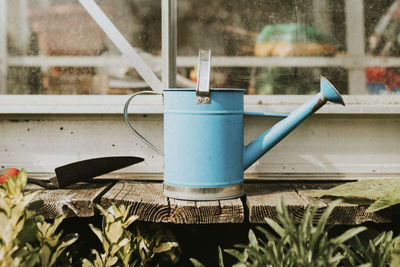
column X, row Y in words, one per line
column 149, row 203
column 147, row 200
column 262, row 199
column 75, row 201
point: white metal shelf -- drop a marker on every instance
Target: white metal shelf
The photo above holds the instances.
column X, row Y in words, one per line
column 151, row 104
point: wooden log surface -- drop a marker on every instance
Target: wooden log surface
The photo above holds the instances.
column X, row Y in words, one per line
column 149, row 203
column 262, row 199
column 74, row 201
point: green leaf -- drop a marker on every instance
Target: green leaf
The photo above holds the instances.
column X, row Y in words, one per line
column 57, row 221
column 130, row 220
column 165, row 246
column 114, row 249
column 111, row 261
column 86, row 263
column 389, row 199
column 220, row 258
column 115, row 231
column 65, row 242
column 267, row 234
column 349, row 234
column 253, row 240
column 361, row 192
column 353, row 257
column 196, row 263
column 28, row 232
column 395, row 258
column 276, row 227
column 123, row 242
column 44, row 255
column 240, row 256
column 97, row 232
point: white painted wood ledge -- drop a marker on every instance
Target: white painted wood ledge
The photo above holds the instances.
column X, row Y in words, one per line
column 151, row 104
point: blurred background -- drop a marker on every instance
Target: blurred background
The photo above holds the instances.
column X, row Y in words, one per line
column 267, row 47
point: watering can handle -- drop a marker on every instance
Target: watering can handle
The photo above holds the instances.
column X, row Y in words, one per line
column 130, row 125
column 203, row 78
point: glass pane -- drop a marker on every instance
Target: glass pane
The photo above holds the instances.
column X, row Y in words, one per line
column 260, row 33
column 382, row 30
column 37, row 29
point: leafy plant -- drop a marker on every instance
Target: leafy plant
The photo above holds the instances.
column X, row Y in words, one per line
column 395, row 254
column 26, row 240
column 305, row 244
column 52, row 246
column 15, row 211
column 124, row 247
column 379, row 194
column 196, row 263
column 389, row 199
column 375, row 254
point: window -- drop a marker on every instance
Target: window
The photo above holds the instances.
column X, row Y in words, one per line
column 55, row 47
column 266, row 47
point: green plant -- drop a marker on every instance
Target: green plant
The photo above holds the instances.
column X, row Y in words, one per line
column 395, row 254
column 196, row 263
column 15, row 214
column 375, row 254
column 27, row 240
column 52, row 246
column 379, row 194
column 123, row 247
column 305, row 244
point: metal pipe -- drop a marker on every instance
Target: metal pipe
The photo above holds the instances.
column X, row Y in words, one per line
column 122, row 44
column 3, row 46
column 169, row 29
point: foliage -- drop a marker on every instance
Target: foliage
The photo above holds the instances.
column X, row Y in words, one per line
column 379, row 194
column 14, row 214
column 395, row 254
column 196, row 263
column 26, row 240
column 389, row 199
column 123, row 247
column 305, row 244
column 52, row 246
column 375, row 253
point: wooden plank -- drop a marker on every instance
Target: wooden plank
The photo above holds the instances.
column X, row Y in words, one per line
column 75, row 201
column 262, row 199
column 148, row 201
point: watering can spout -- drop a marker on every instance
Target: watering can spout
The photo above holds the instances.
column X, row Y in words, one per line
column 271, row 137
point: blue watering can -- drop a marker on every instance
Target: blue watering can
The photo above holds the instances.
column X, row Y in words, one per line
column 204, row 152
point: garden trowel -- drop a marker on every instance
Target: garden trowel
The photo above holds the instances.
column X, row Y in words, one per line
column 82, row 171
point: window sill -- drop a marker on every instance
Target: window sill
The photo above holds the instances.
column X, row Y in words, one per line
column 150, row 104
